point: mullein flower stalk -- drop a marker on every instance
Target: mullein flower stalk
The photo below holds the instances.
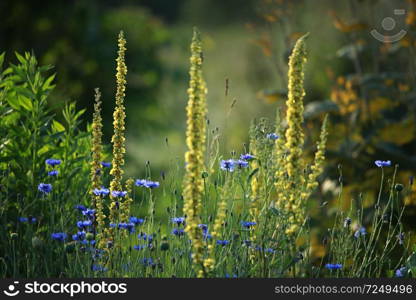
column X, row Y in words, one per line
column 125, row 206
column 96, row 149
column 291, row 178
column 194, row 157
column 118, row 139
column 317, row 167
column 209, row 261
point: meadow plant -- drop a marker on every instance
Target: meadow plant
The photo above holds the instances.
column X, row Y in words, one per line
column 118, row 140
column 194, row 157
column 292, row 186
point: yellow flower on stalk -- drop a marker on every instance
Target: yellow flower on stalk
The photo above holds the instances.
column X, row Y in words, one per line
column 293, row 185
column 194, row 157
column 217, row 229
column 294, row 114
column 96, row 149
column 289, row 148
column 318, row 164
column 125, row 206
column 118, row 139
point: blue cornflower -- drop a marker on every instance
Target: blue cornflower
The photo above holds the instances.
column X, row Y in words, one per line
column 247, row 243
column 80, row 207
column 118, row 193
column 178, row 220
column 178, row 231
column 333, row 266
column 89, row 213
column 272, row 136
column 147, row 262
column 360, row 232
column 401, row 272
column 147, row 183
column 84, row 224
column 241, row 163
column 86, row 242
column 30, row 220
column 53, row 173
column 206, row 235
column 227, row 165
column 59, row 236
column 248, row 224
column 247, row 157
column 229, row 276
column 269, row 250
column 204, row 227
column 45, row 188
column 98, row 268
column 140, row 182
column 53, row 162
column 97, row 192
column 106, row 164
column 136, row 221
column 223, row 242
column 79, row 236
column 381, row 163
column 128, row 226
column 101, row 192
column 152, row 184
column 400, row 237
column 139, row 247
column 145, row 237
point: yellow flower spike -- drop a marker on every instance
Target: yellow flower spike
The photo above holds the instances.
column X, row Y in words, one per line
column 294, row 114
column 118, row 139
column 194, row 157
column 125, row 206
column 317, row 166
column 293, row 185
column 217, row 229
column 96, row 150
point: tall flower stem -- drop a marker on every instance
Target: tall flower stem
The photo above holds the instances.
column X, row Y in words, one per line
column 194, row 157
column 118, row 139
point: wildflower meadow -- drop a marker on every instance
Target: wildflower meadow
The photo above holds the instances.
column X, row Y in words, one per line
column 68, row 209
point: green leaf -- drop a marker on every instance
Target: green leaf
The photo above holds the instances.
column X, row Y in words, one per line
column 25, row 102
column 1, row 60
column 57, row 127
column 252, row 174
column 47, row 84
column 20, row 58
column 13, row 101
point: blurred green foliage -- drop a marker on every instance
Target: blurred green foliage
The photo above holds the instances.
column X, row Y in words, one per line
column 79, row 38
